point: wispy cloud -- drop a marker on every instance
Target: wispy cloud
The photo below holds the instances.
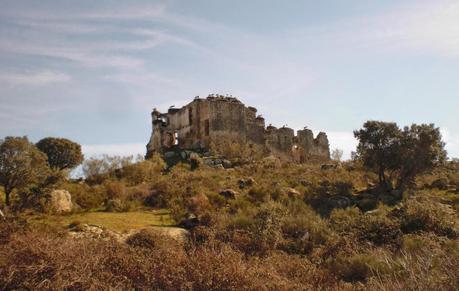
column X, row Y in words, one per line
column 143, row 54
column 61, row 11
column 51, row 33
column 423, row 28
column 39, row 78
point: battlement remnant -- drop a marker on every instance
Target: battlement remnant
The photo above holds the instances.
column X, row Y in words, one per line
column 204, row 121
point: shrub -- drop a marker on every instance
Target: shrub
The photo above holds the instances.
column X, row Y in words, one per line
column 258, row 194
column 440, row 183
column 271, row 162
column 367, row 204
column 255, row 232
column 9, row 226
column 116, row 205
column 427, row 215
column 430, row 269
column 217, row 200
column 358, row 267
column 88, row 197
column 138, row 193
column 195, row 161
column 115, row 190
column 375, row 228
column 142, row 172
column 144, row 239
column 198, row 204
column 326, row 196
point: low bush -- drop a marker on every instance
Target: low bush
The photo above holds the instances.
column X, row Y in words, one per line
column 375, row 228
column 115, row 190
column 87, row 197
column 358, row 267
column 144, row 239
column 142, row 172
column 427, row 215
column 440, row 183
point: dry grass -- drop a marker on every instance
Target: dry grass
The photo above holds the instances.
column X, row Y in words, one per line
column 59, row 263
column 263, row 239
column 120, row 222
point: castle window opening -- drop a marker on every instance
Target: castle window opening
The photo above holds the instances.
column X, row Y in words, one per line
column 176, row 140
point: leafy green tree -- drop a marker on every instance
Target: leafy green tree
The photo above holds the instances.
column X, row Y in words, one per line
column 403, row 154
column 378, row 147
column 21, row 165
column 421, row 149
column 62, row 153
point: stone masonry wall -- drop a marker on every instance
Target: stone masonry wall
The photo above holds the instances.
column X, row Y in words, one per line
column 203, row 121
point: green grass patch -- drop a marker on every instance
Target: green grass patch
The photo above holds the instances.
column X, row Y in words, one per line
column 115, row 221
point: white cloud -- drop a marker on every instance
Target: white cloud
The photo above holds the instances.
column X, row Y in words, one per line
column 33, row 78
column 61, row 12
column 408, row 27
column 452, row 142
column 124, row 149
column 344, row 141
column 41, row 32
column 423, row 27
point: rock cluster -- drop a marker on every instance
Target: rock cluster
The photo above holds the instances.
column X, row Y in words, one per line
column 60, row 201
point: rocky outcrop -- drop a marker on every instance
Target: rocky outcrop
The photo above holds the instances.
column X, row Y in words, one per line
column 60, row 201
column 96, row 232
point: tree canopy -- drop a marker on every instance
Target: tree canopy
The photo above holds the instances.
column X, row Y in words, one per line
column 399, row 155
column 21, row 164
column 62, row 153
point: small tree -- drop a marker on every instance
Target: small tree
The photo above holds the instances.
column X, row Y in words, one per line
column 62, row 153
column 378, row 147
column 383, row 147
column 97, row 169
column 21, row 165
column 421, row 149
column 337, row 154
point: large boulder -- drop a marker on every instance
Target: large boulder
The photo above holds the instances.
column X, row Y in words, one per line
column 60, row 201
column 227, row 164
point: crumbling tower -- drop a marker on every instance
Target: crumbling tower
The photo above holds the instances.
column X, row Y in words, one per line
column 203, row 121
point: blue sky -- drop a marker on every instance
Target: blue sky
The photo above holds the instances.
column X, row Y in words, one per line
column 92, row 71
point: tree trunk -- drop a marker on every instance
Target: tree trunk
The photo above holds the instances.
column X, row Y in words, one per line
column 7, row 197
column 382, row 178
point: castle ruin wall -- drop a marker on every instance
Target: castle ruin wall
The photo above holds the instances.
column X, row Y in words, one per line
column 202, row 122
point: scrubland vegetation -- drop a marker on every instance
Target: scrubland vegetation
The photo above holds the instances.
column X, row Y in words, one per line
column 262, row 224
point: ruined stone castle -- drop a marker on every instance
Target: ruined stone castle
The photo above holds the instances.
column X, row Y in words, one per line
column 215, row 118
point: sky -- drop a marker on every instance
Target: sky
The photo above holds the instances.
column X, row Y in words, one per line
column 92, row 71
